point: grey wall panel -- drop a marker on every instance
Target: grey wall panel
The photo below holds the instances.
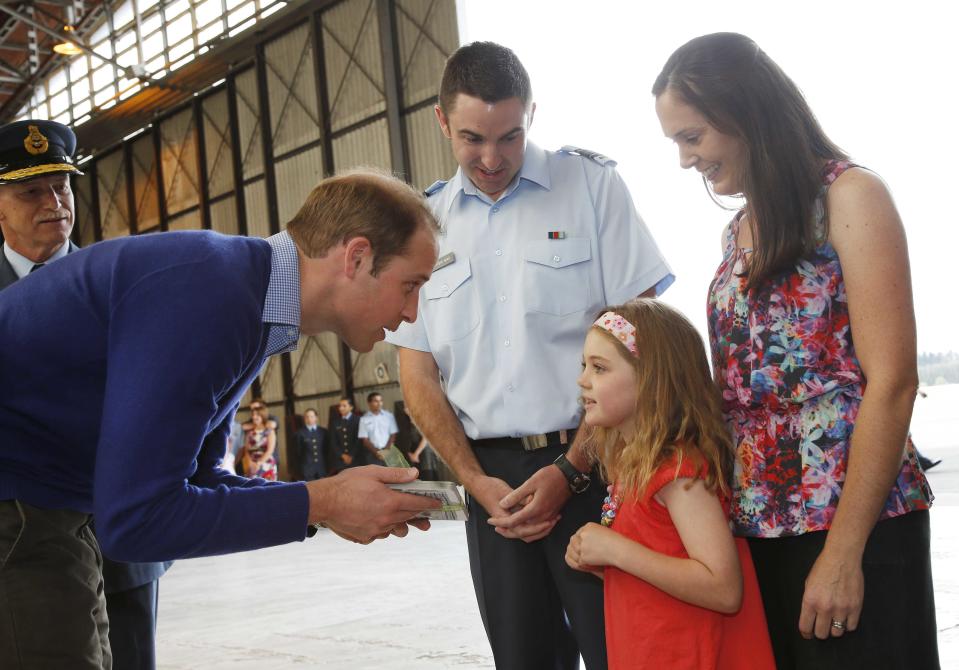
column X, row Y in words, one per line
column 354, row 67
column 145, row 182
column 188, row 221
column 112, row 185
column 257, row 224
column 271, row 382
column 426, row 35
column 377, row 367
column 223, row 216
column 430, row 155
column 316, row 365
column 295, row 178
column 83, row 197
column 248, row 117
column 291, row 83
column 216, row 137
column 367, row 146
column 181, row 184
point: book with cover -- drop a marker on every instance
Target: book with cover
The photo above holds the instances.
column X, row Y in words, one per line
column 453, row 508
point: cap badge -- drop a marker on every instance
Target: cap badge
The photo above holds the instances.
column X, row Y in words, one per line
column 35, row 143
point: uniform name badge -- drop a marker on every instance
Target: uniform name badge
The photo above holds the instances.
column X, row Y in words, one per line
column 443, row 261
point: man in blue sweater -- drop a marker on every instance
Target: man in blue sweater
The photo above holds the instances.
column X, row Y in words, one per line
column 36, row 217
column 97, row 353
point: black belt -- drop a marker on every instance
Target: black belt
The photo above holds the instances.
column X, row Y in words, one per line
column 530, row 442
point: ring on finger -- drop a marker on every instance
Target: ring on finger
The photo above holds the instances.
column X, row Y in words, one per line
column 838, row 625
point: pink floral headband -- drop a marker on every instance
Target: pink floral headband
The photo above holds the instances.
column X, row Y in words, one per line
column 619, row 328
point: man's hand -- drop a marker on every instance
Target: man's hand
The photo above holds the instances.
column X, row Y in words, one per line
column 489, row 491
column 358, row 505
column 347, row 459
column 379, row 454
column 534, row 506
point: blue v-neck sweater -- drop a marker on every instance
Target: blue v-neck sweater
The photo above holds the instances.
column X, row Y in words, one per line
column 121, row 367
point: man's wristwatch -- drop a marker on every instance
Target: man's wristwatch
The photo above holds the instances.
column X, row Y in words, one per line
column 578, row 481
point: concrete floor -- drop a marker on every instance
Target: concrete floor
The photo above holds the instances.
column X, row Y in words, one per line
column 403, row 604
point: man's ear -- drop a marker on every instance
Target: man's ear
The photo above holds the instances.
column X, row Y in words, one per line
column 357, row 252
column 443, row 121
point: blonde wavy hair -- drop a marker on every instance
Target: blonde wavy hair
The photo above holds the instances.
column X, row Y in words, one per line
column 678, row 411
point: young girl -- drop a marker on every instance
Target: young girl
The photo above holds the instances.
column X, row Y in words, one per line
column 680, row 592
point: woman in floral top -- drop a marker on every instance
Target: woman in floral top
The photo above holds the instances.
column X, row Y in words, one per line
column 814, row 348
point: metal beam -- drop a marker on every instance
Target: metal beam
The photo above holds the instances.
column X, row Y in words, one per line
column 389, row 49
column 235, row 155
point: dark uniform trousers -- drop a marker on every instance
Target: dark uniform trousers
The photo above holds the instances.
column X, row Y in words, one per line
column 312, row 452
column 50, row 572
column 539, row 613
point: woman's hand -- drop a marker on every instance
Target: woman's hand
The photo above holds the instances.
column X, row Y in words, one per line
column 834, row 592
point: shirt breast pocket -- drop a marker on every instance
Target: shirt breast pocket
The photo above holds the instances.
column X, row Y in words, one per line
column 557, row 275
column 452, row 302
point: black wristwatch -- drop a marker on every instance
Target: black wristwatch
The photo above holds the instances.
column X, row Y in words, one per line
column 578, row 481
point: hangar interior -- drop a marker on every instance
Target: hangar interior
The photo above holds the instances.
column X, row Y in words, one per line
column 222, row 115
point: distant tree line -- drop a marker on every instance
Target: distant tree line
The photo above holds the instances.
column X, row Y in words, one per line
column 939, row 368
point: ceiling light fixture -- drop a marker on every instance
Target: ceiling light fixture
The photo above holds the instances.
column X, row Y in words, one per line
column 68, row 47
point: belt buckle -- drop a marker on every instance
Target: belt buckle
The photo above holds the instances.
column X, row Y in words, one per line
column 533, row 442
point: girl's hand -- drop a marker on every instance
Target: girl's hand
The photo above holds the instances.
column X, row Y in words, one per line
column 589, row 549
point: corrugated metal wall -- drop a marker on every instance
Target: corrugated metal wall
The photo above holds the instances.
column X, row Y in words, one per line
column 325, row 88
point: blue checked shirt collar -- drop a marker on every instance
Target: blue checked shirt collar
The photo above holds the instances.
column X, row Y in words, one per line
column 281, row 310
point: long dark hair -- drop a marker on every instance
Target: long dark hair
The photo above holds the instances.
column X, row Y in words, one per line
column 743, row 93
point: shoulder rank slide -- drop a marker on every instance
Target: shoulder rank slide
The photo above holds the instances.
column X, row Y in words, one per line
column 594, row 156
column 434, row 187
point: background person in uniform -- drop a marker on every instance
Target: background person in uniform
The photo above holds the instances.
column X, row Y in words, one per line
column 311, row 447
column 105, row 347
column 378, row 428
column 36, row 218
column 345, row 448
column 535, row 242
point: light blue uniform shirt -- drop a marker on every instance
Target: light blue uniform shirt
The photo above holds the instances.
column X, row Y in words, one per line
column 507, row 319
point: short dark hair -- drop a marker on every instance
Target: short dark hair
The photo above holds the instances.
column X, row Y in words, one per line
column 742, row 92
column 374, row 394
column 307, row 411
column 484, row 70
column 347, row 399
column 363, row 203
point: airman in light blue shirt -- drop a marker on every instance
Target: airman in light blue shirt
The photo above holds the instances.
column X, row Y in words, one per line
column 534, row 243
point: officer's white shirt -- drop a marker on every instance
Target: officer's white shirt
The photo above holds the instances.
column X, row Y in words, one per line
column 22, row 265
column 377, row 428
column 506, row 320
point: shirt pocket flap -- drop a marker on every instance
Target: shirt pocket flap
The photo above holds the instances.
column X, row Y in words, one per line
column 446, row 280
column 558, row 253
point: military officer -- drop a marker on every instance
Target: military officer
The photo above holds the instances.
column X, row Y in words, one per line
column 535, row 242
column 310, row 442
column 345, row 449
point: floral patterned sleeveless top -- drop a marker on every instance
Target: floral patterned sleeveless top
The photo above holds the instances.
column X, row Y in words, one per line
column 791, row 384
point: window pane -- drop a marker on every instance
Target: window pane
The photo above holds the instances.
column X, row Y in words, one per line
column 152, row 46
column 105, row 49
column 59, row 103
column 79, row 67
column 80, row 90
column 210, row 33
column 81, row 108
column 102, row 76
column 174, row 9
column 122, row 15
column 125, row 41
column 178, row 29
column 101, row 98
column 208, row 11
column 144, row 5
column 128, row 58
column 58, row 81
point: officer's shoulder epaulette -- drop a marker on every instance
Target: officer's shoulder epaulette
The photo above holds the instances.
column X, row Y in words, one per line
column 594, row 156
column 434, row 187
